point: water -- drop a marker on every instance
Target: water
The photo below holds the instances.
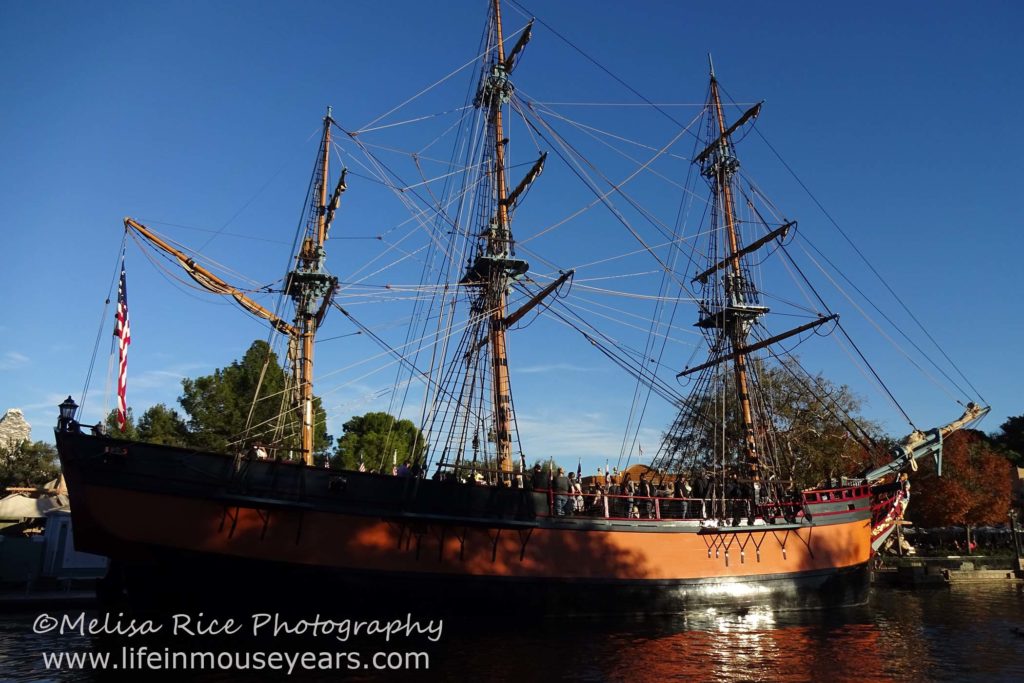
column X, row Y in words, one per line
column 960, row 633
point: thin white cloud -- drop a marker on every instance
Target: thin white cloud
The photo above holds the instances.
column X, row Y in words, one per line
column 555, row 367
column 155, row 379
column 588, row 436
column 12, row 360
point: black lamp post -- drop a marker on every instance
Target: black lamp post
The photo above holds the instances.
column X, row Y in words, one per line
column 67, row 414
column 1013, row 530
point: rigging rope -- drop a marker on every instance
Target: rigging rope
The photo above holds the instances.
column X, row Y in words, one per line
column 868, row 263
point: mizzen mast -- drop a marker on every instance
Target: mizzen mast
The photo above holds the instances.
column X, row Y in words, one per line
column 309, row 286
column 311, row 289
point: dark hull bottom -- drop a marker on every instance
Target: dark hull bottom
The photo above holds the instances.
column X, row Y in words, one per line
column 246, row 587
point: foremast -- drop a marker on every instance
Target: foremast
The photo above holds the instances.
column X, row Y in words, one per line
column 731, row 307
column 309, row 286
column 723, row 168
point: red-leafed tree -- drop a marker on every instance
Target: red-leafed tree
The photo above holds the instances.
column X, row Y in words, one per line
column 974, row 488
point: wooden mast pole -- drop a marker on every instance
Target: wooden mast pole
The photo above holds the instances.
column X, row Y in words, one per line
column 309, row 286
column 311, row 258
column 736, row 331
column 498, row 245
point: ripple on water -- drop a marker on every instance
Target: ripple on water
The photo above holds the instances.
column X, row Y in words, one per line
column 960, row 633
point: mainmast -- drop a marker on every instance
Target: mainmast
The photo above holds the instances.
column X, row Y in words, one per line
column 492, row 270
column 498, row 243
column 495, row 268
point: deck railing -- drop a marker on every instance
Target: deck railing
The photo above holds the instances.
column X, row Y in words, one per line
column 625, row 506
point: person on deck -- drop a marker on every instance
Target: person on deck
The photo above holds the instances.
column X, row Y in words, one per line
column 599, row 503
column 575, row 493
column 561, row 488
column 541, row 478
column 681, row 491
column 629, row 490
column 700, row 491
column 645, row 491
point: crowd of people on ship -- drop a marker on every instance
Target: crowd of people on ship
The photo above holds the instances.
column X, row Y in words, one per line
column 610, row 494
column 618, row 495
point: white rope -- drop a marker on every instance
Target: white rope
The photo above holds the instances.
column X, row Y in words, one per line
column 425, row 117
column 433, row 85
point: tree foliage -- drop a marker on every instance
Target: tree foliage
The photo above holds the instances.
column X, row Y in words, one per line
column 1011, row 438
column 218, row 406
column 377, row 439
column 163, row 425
column 131, row 432
column 28, row 464
column 974, row 488
column 807, row 428
column 159, row 424
column 820, row 432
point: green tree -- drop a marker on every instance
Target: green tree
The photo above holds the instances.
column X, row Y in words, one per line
column 159, row 424
column 218, row 406
column 377, row 439
column 1011, row 439
column 131, row 432
column 28, row 464
column 163, row 425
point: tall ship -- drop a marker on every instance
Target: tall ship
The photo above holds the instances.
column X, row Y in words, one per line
column 718, row 515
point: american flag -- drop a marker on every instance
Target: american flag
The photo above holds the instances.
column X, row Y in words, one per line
column 122, row 330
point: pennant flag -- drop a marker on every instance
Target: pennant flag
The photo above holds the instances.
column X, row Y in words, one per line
column 122, row 330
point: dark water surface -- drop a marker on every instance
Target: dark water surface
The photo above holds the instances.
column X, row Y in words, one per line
column 963, row 633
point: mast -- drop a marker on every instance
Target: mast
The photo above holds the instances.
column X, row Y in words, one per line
column 735, row 284
column 311, row 288
column 498, row 245
column 491, row 271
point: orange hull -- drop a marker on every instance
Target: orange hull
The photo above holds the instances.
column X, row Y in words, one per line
column 150, row 508
column 646, row 551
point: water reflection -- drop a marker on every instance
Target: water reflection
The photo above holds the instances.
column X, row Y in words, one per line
column 964, row 633
column 961, row 633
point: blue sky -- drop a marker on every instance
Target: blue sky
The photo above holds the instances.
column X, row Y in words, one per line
column 903, row 119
